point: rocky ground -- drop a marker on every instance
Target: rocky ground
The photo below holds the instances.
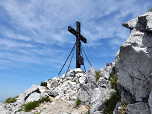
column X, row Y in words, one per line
column 60, row 106
column 64, row 91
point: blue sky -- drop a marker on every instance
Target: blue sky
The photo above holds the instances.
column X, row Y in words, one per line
column 35, row 42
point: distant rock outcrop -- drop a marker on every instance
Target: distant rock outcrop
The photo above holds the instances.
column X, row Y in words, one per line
column 134, row 64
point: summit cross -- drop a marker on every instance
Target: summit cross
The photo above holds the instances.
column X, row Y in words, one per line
column 79, row 38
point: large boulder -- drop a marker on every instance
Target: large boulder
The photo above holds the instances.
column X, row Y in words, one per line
column 133, row 62
column 102, row 82
column 42, row 88
column 51, row 93
column 138, row 108
column 86, row 90
column 135, row 58
column 33, row 97
column 91, row 78
column 97, row 100
column 83, row 94
column 32, row 89
column 52, row 83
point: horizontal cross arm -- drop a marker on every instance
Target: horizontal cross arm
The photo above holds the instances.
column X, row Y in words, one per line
column 72, row 30
column 83, row 39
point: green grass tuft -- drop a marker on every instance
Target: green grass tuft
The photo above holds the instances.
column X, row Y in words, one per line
column 74, row 80
column 45, row 100
column 150, row 10
column 114, row 80
column 80, row 84
column 11, row 100
column 44, row 84
column 31, row 105
column 97, row 75
column 111, row 103
column 78, row 102
column 49, row 79
column 114, row 98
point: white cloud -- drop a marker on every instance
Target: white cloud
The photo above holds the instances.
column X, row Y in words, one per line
column 35, row 26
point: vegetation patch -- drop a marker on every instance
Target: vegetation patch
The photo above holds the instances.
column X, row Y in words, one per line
column 111, row 103
column 114, row 80
column 74, row 80
column 44, row 84
column 31, row 105
column 11, row 100
column 81, row 84
column 45, row 100
column 150, row 10
column 78, row 102
column 18, row 110
column 49, row 79
column 115, row 97
column 97, row 75
column 123, row 108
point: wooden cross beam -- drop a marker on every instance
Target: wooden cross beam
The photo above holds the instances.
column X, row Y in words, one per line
column 79, row 38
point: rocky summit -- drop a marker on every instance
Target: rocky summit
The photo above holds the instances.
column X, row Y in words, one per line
column 64, row 91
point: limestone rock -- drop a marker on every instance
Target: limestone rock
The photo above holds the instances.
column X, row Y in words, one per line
column 31, row 90
column 150, row 101
column 21, row 99
column 102, row 82
column 33, row 97
column 126, row 96
column 83, row 94
column 97, row 100
column 41, row 89
column 135, row 58
column 98, row 112
column 51, row 93
column 52, row 83
column 74, row 112
column 116, row 61
column 4, row 110
column 44, row 95
column 103, row 73
column 78, row 70
column 22, row 112
column 138, row 108
column 116, row 108
column 91, row 78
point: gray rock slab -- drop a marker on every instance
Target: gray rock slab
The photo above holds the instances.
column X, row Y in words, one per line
column 116, row 108
column 138, row 108
column 97, row 100
column 51, row 93
column 102, row 82
column 32, row 89
column 135, row 57
column 150, row 101
column 33, row 97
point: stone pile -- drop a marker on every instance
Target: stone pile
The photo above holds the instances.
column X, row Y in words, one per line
column 134, row 64
column 73, row 85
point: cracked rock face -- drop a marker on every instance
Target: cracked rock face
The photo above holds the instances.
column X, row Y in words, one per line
column 135, row 58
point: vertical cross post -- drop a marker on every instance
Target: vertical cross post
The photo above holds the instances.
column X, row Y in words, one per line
column 78, row 45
